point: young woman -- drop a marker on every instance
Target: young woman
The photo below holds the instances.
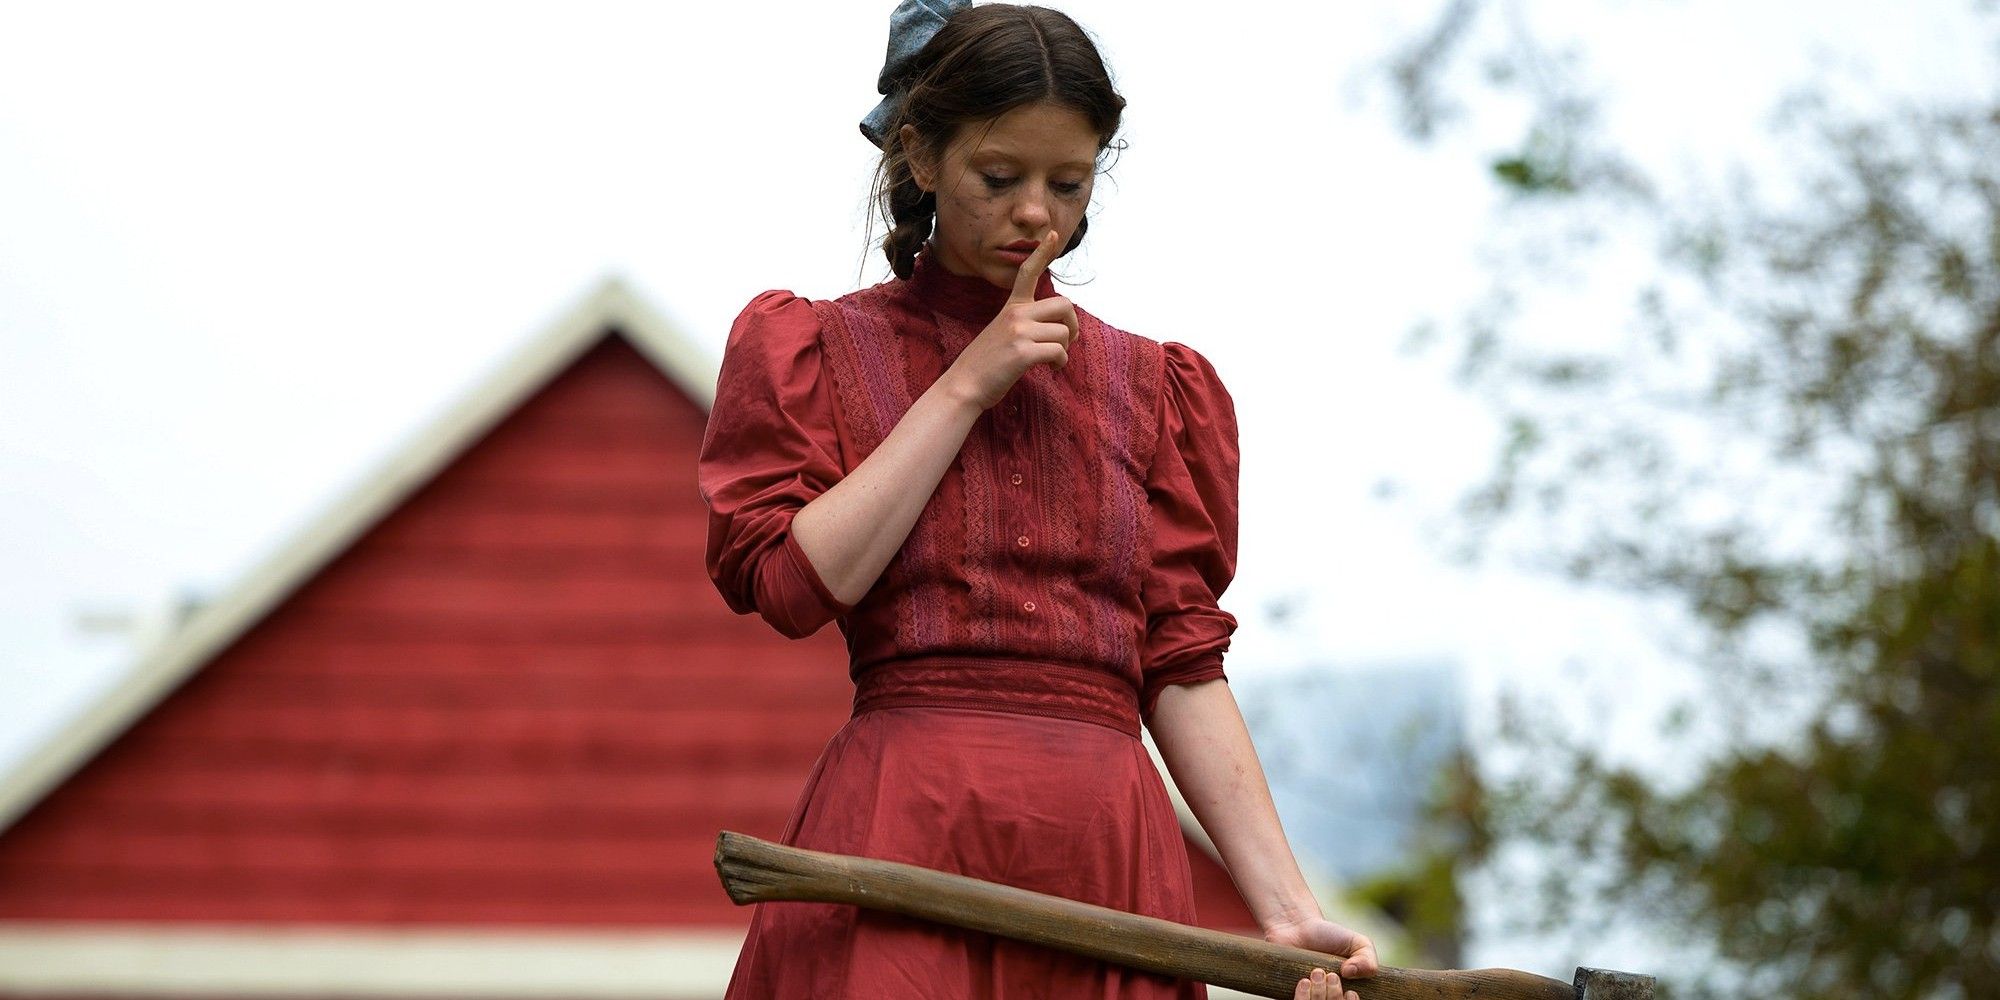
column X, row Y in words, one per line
column 1021, row 516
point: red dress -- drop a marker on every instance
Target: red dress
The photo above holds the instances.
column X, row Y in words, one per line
column 1065, row 570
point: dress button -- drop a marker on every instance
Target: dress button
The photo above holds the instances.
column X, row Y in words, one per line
column 1016, row 478
column 1028, row 606
column 1022, row 541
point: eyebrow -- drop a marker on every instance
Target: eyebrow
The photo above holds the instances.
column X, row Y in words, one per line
column 1077, row 164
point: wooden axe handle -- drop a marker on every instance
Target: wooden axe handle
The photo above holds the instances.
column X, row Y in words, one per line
column 756, row 871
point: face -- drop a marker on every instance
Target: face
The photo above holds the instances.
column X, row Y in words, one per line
column 1029, row 172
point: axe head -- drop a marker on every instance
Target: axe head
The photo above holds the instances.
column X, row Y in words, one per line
column 1603, row 984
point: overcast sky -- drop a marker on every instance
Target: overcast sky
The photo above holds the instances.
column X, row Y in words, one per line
column 247, row 250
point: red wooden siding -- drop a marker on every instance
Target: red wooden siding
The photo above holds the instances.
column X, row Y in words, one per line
column 516, row 699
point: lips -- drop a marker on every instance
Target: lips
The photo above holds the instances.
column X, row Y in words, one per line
column 1028, row 245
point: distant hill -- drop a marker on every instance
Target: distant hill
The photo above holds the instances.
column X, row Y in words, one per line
column 1351, row 753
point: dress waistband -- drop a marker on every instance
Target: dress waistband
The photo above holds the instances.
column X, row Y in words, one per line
column 1026, row 687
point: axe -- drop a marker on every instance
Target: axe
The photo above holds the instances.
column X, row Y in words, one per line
column 756, row 871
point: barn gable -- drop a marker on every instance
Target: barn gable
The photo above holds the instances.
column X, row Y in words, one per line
column 484, row 710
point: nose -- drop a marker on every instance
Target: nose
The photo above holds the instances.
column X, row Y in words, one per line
column 1031, row 210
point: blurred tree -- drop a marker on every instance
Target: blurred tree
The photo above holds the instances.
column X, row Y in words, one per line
column 1380, row 809
column 1796, row 449
column 1422, row 893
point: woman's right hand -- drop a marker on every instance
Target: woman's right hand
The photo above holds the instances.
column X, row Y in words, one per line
column 1322, row 985
column 1028, row 331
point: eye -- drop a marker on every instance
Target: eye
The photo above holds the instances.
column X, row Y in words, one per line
column 1069, row 189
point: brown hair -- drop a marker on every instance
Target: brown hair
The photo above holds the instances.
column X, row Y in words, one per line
column 984, row 61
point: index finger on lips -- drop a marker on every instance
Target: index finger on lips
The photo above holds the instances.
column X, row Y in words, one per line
column 1031, row 270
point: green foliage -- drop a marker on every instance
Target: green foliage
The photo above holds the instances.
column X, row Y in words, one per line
column 1422, row 894
column 1800, row 439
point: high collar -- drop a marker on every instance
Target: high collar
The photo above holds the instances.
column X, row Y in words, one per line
column 968, row 297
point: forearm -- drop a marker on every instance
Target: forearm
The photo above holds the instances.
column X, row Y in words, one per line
column 851, row 531
column 1207, row 748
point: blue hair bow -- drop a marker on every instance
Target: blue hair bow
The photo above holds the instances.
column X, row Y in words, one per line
column 911, row 25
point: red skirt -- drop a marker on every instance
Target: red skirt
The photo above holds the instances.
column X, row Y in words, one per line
column 1059, row 805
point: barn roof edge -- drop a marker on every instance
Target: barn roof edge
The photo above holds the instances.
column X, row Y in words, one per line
column 611, row 303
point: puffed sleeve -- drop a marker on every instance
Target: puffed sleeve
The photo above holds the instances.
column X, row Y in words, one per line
column 769, row 449
column 1191, row 489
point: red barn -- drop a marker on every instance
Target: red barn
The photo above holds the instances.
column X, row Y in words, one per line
column 471, row 732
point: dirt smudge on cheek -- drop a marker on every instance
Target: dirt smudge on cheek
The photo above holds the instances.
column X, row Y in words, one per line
column 973, row 218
